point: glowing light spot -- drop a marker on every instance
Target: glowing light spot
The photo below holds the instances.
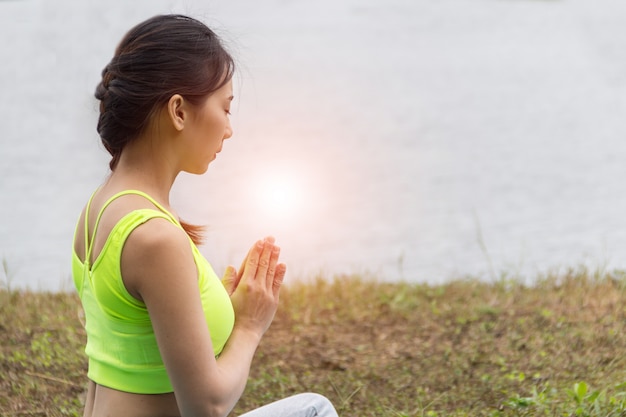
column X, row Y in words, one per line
column 278, row 196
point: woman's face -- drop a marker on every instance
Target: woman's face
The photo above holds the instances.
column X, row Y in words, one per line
column 208, row 129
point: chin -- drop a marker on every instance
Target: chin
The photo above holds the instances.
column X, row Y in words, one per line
column 197, row 170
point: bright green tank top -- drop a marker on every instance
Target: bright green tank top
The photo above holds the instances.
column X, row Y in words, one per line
column 121, row 345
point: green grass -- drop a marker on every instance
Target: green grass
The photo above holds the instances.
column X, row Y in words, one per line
column 464, row 348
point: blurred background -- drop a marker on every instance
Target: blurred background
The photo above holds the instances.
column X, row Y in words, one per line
column 415, row 140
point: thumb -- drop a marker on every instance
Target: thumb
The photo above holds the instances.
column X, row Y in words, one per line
column 230, row 280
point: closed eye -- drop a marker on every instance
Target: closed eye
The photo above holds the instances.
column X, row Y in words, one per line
column 229, row 100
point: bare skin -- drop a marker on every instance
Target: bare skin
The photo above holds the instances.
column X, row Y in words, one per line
column 158, row 268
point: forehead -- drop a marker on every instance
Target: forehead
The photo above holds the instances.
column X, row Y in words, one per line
column 226, row 89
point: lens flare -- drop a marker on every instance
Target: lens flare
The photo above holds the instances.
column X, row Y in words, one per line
column 278, row 196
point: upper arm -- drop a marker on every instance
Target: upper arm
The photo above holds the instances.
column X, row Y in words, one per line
column 158, row 264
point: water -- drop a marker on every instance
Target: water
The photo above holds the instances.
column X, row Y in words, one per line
column 427, row 140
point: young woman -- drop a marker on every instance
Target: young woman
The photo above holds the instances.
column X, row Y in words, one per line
column 166, row 336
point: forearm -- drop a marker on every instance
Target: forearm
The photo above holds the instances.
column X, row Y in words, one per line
column 254, row 299
column 234, row 367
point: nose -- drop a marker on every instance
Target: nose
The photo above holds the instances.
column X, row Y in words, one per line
column 228, row 132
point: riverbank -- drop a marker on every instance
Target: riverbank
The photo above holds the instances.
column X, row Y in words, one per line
column 465, row 348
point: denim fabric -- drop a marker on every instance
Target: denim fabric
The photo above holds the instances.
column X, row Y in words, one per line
column 301, row 405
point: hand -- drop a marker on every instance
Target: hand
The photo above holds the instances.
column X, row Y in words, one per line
column 255, row 290
column 230, row 280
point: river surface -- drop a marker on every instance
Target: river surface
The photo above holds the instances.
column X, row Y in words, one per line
column 417, row 140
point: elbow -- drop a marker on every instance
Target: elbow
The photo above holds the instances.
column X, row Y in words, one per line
column 210, row 409
column 218, row 410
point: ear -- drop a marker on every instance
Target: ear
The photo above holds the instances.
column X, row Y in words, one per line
column 177, row 111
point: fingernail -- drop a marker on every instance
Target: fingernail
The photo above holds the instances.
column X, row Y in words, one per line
column 259, row 244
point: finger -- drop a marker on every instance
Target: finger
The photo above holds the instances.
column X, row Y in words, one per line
column 271, row 269
column 243, row 264
column 236, row 277
column 245, row 260
column 252, row 261
column 264, row 261
column 279, row 277
column 230, row 280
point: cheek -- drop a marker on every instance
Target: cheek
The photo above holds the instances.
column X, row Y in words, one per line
column 217, row 125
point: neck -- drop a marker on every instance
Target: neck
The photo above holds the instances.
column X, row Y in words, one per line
column 141, row 166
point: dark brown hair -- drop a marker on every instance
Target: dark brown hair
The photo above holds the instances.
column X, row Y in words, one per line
column 160, row 57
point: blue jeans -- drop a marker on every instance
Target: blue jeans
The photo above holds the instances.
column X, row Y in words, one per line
column 301, row 405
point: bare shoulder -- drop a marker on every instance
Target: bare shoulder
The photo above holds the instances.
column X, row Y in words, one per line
column 157, row 253
column 156, row 235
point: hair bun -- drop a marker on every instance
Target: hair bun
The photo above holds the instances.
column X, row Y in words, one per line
column 102, row 88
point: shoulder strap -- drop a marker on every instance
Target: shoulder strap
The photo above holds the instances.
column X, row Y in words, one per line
column 87, row 259
column 89, row 243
